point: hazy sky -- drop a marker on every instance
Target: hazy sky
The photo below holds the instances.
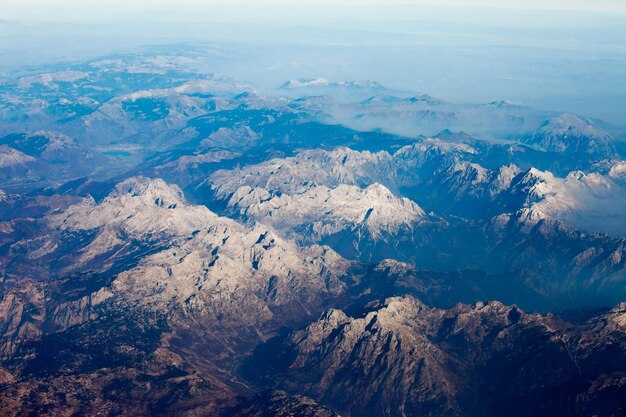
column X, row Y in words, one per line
column 593, row 5
column 526, row 4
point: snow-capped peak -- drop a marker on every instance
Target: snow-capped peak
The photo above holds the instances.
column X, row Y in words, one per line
column 305, row 82
column 591, row 202
column 568, row 122
column 570, row 133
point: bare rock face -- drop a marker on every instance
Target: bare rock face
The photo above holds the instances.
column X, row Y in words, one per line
column 279, row 404
column 214, row 269
column 21, row 316
column 320, row 211
column 407, row 359
column 314, row 167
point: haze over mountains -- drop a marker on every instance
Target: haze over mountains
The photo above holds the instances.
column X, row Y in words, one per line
column 178, row 242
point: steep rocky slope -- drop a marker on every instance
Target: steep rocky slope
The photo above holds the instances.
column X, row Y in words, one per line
column 404, row 358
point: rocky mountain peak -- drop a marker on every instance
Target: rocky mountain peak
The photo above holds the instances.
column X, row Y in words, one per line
column 148, row 190
column 140, row 206
column 572, row 134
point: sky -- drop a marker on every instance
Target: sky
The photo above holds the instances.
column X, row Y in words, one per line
column 596, row 5
column 26, row 8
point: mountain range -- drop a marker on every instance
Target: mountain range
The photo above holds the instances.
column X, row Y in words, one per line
column 175, row 242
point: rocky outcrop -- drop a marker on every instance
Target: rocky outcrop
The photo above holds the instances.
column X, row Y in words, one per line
column 278, row 404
